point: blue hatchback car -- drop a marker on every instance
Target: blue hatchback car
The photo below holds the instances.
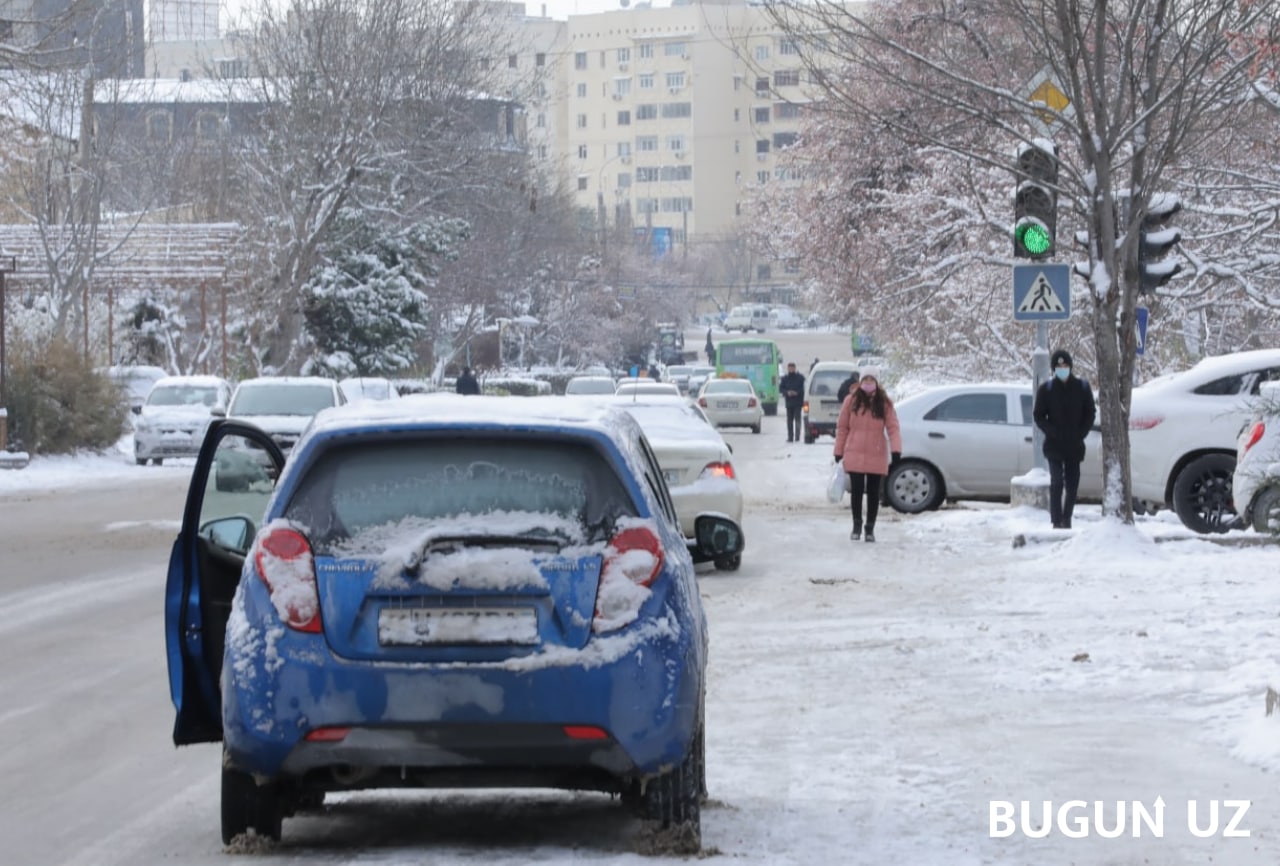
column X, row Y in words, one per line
column 441, row 591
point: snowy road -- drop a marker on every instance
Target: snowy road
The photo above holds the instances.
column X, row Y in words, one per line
column 866, row 702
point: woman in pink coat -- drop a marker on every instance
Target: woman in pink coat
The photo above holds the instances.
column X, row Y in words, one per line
column 866, row 434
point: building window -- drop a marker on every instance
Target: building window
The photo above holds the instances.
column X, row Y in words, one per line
column 676, row 172
column 646, row 174
column 646, row 205
column 646, row 50
column 582, row 151
column 512, row 61
column 647, row 143
column 159, row 126
column 791, row 266
column 673, row 49
column 677, row 205
column 737, row 146
column 582, row 183
column 784, row 139
column 624, row 148
column 582, row 121
column 624, row 55
column 580, row 60
column 761, row 115
column 762, row 177
column 737, row 178
column 542, row 151
column 646, row 81
column 763, row 272
column 677, row 109
column 207, row 126
column 786, row 78
column 737, row 115
column 233, row 68
column 788, row 46
column 484, row 64
column 787, row 111
column 622, row 86
column 624, row 180
column 582, row 90
column 762, row 145
column 624, row 118
column 539, row 59
column 762, row 87
column 789, row 172
column 675, row 142
column 675, row 80
column 646, row 112
column 762, row 52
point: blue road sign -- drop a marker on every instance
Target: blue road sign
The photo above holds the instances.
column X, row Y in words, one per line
column 1143, row 315
column 1041, row 292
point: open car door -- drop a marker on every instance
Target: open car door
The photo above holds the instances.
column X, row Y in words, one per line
column 232, row 483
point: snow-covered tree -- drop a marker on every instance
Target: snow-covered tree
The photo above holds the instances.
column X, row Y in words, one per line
column 369, row 304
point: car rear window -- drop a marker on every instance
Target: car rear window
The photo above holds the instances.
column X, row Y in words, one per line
column 297, row 399
column 183, row 395
column 376, row 485
column 828, row 382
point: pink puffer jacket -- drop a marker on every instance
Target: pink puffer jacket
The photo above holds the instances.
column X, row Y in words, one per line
column 865, row 440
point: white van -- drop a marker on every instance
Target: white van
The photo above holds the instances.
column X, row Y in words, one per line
column 748, row 317
column 821, row 395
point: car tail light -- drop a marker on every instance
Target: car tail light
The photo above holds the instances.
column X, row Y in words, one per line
column 702, row 401
column 288, row 569
column 1255, row 433
column 638, row 552
column 585, row 732
column 1144, row 422
column 751, row 403
column 718, row 470
column 327, row 735
column 805, row 408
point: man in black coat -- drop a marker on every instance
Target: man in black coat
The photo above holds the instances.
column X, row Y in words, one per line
column 467, row 383
column 791, row 387
column 1064, row 412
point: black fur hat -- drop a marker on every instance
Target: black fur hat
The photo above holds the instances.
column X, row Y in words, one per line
column 1061, row 356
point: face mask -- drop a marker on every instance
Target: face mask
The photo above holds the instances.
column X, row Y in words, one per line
column 1062, row 373
column 869, row 387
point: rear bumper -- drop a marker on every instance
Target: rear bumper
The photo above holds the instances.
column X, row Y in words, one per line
column 819, row 428
column 462, row 723
column 690, row 502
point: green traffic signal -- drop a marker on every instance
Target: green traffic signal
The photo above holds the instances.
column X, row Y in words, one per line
column 1034, row 238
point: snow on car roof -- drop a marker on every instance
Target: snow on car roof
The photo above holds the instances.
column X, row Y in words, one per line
column 286, row 380
column 198, row 381
column 1216, row 366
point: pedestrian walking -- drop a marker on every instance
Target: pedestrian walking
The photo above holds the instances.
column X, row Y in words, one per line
column 1064, row 411
column 868, row 444
column 467, row 383
column 791, row 386
column 711, row 348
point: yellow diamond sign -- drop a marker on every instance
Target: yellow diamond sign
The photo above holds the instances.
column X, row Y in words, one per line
column 1050, row 95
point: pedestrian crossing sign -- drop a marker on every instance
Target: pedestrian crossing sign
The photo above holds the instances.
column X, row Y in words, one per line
column 1041, row 292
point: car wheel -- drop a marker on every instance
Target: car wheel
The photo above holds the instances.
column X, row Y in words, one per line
column 141, row 461
column 729, row 563
column 770, row 409
column 913, row 487
column 755, row 429
column 1266, row 511
column 246, row 806
column 1202, row 494
column 158, row 461
column 674, row 800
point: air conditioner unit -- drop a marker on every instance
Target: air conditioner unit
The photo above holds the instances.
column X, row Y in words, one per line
column 679, row 154
column 761, row 157
column 622, row 67
column 626, row 160
column 617, row 97
column 673, row 90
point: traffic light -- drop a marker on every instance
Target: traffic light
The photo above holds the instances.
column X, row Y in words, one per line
column 1035, row 204
column 1156, row 241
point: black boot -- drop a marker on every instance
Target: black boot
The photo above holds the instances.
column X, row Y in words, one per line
column 871, row 534
column 857, row 531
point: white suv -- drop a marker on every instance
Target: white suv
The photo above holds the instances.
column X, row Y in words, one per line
column 1255, row 486
column 1183, row 431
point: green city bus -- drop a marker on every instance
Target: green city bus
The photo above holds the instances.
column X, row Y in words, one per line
column 757, row 360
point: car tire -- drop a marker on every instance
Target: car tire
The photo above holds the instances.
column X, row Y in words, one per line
column 141, row 461
column 1202, row 494
column 770, row 409
column 246, row 806
column 1266, row 511
column 729, row 563
column 674, row 801
column 755, row 429
column 913, row 487
column 158, row 461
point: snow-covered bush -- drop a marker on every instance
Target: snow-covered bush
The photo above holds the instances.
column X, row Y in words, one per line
column 57, row 403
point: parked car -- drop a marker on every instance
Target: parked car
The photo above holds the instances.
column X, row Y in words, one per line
column 646, row 387
column 968, row 441
column 748, row 317
column 695, row 461
column 731, row 403
column 678, row 375
column 174, row 417
column 283, row 406
column 590, row 385
column 821, row 410
column 357, row 388
column 135, row 381
column 1255, row 486
column 698, row 376
column 444, row 591
column 1183, row 435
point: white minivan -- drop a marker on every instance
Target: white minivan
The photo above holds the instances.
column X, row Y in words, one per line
column 748, row 317
column 821, row 395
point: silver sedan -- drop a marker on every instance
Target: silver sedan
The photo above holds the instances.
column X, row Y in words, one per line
column 731, row 403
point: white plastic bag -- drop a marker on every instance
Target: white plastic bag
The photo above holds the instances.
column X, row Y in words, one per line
column 837, row 485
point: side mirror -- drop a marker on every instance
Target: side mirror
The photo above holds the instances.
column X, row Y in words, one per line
column 137, row 410
column 232, row 533
column 716, row 536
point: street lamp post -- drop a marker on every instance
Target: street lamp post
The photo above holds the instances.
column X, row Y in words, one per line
column 8, row 264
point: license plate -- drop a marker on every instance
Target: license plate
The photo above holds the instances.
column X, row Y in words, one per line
column 726, row 404
column 416, row 626
column 671, row 476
